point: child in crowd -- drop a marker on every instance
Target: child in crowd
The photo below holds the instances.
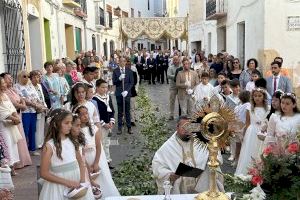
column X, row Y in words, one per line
column 240, row 112
column 226, row 90
column 79, row 138
column 95, row 159
column 104, row 105
column 221, row 77
column 255, row 117
column 204, row 90
column 62, row 166
column 275, row 105
column 89, row 92
column 232, row 101
column 255, row 75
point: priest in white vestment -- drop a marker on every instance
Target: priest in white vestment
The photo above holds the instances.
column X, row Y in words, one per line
column 180, row 148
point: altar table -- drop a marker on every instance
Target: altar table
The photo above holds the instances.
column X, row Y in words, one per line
column 154, row 197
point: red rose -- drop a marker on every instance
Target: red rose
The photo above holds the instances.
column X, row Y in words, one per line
column 256, row 180
column 268, row 150
column 293, row 148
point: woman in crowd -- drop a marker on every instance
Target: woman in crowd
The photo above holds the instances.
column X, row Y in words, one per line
column 79, row 64
column 245, row 76
column 212, row 77
column 52, row 85
column 29, row 116
column 35, row 79
column 9, row 119
column 20, row 105
column 65, row 88
column 236, row 69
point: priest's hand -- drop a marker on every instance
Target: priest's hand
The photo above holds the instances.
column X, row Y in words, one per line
column 173, row 177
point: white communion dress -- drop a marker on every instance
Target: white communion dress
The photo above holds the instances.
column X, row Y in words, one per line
column 251, row 146
column 282, row 127
column 105, row 180
column 67, row 168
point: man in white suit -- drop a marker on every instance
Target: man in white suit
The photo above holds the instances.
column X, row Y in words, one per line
column 277, row 81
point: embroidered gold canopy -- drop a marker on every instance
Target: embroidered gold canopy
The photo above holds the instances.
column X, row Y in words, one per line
column 155, row 28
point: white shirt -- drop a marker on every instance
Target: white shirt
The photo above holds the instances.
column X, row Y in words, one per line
column 204, row 91
column 250, row 86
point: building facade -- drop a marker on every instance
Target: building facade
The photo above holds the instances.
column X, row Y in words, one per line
column 50, row 29
column 261, row 29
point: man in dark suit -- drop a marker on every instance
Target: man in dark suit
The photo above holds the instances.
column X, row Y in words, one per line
column 139, row 62
column 151, row 72
column 278, row 81
column 123, row 80
column 160, row 68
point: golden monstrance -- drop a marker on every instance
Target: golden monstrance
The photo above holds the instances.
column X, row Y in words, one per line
column 213, row 122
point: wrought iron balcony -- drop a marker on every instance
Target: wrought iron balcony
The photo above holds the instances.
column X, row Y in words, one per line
column 216, row 9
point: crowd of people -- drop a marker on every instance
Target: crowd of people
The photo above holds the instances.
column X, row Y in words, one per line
column 66, row 110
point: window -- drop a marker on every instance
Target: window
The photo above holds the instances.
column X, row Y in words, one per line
column 94, row 42
column 124, row 14
column 132, row 12
column 148, row 4
column 139, row 13
column 105, row 49
column 102, row 16
column 112, row 47
column 110, row 20
column 78, row 39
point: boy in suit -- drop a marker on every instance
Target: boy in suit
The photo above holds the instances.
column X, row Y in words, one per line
column 123, row 80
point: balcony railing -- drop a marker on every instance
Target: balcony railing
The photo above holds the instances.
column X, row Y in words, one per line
column 216, row 9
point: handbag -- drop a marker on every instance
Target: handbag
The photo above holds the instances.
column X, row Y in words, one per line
column 5, row 178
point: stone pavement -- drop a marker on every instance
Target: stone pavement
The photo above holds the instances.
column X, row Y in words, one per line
column 122, row 146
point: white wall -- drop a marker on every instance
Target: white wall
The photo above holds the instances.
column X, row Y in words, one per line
column 287, row 43
column 252, row 13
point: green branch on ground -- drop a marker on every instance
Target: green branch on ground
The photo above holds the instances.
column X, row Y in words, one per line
column 134, row 176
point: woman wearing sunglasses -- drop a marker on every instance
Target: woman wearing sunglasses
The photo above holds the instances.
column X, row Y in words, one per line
column 29, row 115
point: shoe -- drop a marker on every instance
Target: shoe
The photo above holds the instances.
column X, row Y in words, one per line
column 110, row 166
column 171, row 118
column 119, row 131
column 129, row 131
column 231, row 158
column 133, row 124
column 35, row 153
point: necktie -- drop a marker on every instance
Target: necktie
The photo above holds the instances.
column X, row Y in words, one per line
column 122, row 70
column 275, row 84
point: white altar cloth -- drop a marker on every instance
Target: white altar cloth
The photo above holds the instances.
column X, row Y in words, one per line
column 158, row 197
column 154, row 197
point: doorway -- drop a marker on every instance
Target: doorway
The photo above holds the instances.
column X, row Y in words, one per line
column 35, row 42
column 70, row 46
column 241, row 42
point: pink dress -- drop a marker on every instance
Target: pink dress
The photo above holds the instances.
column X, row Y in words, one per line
column 24, row 155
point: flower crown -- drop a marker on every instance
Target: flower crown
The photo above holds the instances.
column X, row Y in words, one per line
column 259, row 89
column 289, row 94
column 51, row 117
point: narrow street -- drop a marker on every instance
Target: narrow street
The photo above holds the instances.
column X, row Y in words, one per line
column 122, row 147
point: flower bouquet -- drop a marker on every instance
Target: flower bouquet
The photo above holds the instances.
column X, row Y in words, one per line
column 276, row 176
